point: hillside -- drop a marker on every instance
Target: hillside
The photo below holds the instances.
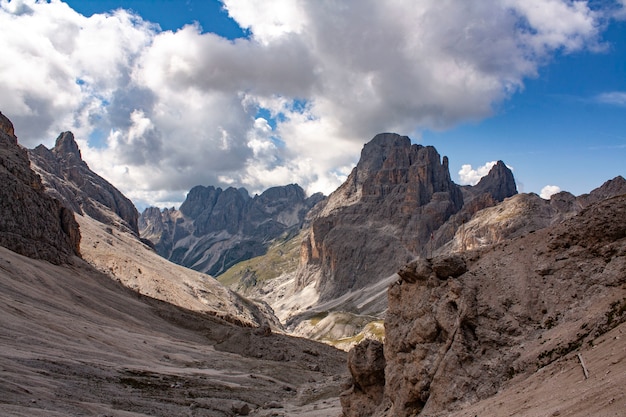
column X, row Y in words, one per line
column 75, row 341
column 463, row 328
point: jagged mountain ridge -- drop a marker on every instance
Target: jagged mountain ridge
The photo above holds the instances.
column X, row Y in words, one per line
column 387, row 212
column 76, row 342
column 526, row 213
column 214, row 228
column 111, row 244
column 69, row 179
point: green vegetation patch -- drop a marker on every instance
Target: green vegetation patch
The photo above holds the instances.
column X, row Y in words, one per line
column 282, row 256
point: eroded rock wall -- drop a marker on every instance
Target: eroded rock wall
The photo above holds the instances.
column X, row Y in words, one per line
column 31, row 223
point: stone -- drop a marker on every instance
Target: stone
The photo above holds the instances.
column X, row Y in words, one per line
column 31, row 222
column 215, row 228
column 382, row 217
column 366, row 362
column 449, row 266
column 68, row 178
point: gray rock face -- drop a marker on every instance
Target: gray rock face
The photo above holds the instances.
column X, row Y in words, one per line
column 520, row 305
column 31, row 223
column 215, row 229
column 68, row 178
column 522, row 214
column 366, row 362
column 499, row 183
column 398, row 203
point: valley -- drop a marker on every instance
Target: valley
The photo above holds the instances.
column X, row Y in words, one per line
column 452, row 300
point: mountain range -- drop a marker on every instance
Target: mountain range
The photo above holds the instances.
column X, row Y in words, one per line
column 454, row 300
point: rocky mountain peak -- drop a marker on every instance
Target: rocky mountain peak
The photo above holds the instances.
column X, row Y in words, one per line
column 216, row 228
column 499, row 182
column 610, row 188
column 6, row 126
column 66, row 147
column 69, row 179
column 395, row 198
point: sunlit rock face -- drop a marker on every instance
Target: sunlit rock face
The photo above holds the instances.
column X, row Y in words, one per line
column 390, row 209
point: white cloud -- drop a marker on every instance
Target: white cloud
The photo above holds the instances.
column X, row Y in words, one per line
column 617, row 98
column 177, row 109
column 549, row 190
column 471, row 176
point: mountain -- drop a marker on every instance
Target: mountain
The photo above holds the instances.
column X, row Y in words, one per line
column 215, row 229
column 386, row 213
column 170, row 341
column 111, row 244
column 68, row 178
column 525, row 213
column 31, row 223
column 461, row 328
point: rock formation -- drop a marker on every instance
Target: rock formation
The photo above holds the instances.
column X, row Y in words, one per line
column 215, row 229
column 459, row 328
column 398, row 203
column 31, row 222
column 524, row 213
column 68, row 178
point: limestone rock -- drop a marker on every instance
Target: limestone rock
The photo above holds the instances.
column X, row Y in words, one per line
column 215, row 228
column 499, row 183
column 31, row 223
column 68, row 178
column 451, row 266
column 382, row 217
column 520, row 305
column 366, row 362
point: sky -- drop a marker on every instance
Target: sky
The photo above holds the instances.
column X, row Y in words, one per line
column 164, row 95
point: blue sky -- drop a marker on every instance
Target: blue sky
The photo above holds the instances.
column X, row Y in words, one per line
column 164, row 95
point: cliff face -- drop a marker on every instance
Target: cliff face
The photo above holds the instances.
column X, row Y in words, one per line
column 460, row 327
column 215, row 228
column 68, row 178
column 392, row 208
column 31, row 223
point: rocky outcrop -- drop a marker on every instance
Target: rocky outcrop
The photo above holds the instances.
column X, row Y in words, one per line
column 215, row 228
column 31, row 223
column 461, row 331
column 68, row 178
column 522, row 214
column 366, row 363
column 398, row 203
column 498, row 183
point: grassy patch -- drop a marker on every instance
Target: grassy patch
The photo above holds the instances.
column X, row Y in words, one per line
column 282, row 256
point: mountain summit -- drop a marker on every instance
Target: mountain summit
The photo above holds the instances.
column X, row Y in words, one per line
column 70, row 180
column 390, row 210
column 215, row 228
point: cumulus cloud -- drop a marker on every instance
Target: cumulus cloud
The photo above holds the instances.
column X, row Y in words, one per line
column 157, row 112
column 471, row 176
column 549, row 190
